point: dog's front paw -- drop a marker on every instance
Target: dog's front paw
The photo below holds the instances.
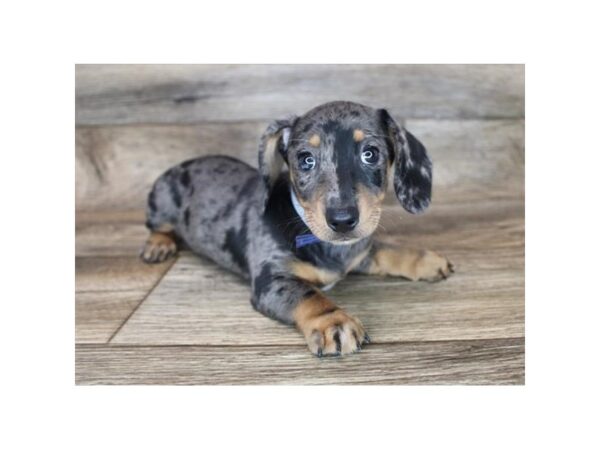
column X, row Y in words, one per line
column 334, row 333
column 432, row 266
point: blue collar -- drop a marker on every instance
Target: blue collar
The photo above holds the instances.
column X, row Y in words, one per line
column 306, row 239
column 302, row 239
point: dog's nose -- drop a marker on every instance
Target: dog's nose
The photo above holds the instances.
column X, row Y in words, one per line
column 342, row 220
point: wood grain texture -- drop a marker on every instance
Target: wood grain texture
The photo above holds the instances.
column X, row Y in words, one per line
column 108, row 233
column 126, row 94
column 107, row 290
column 116, row 166
column 498, row 361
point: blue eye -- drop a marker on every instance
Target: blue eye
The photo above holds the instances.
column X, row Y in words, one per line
column 369, row 155
column 307, row 161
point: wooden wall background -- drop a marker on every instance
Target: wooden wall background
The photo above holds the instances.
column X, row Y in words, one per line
column 134, row 121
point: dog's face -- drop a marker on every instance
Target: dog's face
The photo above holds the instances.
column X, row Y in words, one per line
column 339, row 156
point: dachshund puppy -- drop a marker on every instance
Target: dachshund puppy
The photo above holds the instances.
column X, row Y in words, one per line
column 295, row 233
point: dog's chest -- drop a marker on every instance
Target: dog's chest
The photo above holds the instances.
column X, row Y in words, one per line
column 325, row 264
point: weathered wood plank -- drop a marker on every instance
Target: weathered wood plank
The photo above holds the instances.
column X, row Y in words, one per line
column 199, row 303
column 456, row 362
column 107, row 290
column 110, row 234
column 125, row 94
column 116, row 166
column 474, row 159
column 450, row 225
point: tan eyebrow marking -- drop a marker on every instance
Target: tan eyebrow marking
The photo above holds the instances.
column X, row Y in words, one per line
column 359, row 135
column 315, row 140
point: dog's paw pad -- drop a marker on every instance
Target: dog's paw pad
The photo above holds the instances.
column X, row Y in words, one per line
column 158, row 248
column 433, row 267
column 335, row 333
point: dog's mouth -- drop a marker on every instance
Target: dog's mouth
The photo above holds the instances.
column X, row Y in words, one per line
column 347, row 239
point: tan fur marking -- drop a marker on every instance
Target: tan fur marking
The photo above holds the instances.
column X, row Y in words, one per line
column 315, row 140
column 315, row 214
column 311, row 308
column 412, row 264
column 358, row 135
column 369, row 207
column 160, row 238
column 159, row 246
column 357, row 260
column 320, row 321
column 313, row 274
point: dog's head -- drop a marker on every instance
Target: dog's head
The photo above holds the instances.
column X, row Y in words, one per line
column 339, row 156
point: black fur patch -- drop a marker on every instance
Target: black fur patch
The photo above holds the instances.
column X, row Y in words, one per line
column 384, row 122
column 377, row 178
column 262, row 282
column 184, row 178
column 236, row 243
column 175, row 195
column 186, row 216
column 344, row 153
column 152, row 201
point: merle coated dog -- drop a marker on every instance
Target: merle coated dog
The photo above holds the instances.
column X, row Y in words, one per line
column 295, row 233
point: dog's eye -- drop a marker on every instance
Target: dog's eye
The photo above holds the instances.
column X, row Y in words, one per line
column 307, row 161
column 370, row 155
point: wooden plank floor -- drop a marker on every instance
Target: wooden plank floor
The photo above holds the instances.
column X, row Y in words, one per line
column 497, row 361
column 189, row 322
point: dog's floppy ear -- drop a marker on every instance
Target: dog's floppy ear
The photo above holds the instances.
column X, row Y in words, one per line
column 412, row 173
column 273, row 149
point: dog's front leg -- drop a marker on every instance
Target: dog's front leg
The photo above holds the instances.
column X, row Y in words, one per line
column 408, row 263
column 328, row 329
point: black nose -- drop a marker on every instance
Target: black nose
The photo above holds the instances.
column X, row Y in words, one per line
column 342, row 220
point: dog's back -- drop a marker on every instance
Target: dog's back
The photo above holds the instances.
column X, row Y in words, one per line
column 206, row 203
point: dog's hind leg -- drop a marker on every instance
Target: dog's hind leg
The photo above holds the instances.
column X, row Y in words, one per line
column 159, row 246
column 162, row 211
